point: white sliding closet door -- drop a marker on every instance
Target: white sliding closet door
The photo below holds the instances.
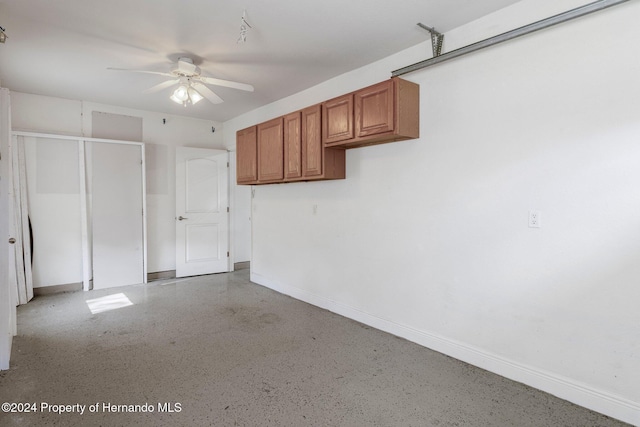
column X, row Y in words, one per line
column 117, row 215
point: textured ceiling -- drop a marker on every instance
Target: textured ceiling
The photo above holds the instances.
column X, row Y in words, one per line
column 63, row 48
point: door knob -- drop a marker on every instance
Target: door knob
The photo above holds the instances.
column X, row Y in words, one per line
column 180, row 218
column 12, row 240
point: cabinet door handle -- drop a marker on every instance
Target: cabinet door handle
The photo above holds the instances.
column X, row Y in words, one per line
column 180, row 218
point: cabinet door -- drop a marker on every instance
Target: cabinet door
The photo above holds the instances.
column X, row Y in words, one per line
column 312, row 147
column 246, row 156
column 338, row 119
column 292, row 146
column 375, row 109
column 271, row 150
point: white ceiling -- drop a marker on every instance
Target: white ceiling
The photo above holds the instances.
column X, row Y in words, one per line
column 63, row 48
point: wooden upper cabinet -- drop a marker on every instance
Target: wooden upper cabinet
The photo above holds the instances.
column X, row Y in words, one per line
column 384, row 112
column 247, row 156
column 374, row 109
column 271, row 150
column 292, row 145
column 288, row 149
column 312, row 145
column 338, row 119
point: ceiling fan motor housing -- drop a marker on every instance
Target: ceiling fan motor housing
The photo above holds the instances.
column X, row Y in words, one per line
column 186, row 68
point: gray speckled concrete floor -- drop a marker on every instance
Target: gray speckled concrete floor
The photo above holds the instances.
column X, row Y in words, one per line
column 223, row 351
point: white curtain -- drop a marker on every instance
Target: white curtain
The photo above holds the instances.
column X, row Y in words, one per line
column 20, row 228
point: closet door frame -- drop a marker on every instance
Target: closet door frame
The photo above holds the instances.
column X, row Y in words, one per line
column 84, row 206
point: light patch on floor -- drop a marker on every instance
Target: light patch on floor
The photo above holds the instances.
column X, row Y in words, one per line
column 108, row 303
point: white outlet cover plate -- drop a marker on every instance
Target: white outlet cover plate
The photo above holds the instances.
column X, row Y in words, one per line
column 535, row 219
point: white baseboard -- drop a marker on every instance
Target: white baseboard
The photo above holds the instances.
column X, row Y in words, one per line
column 581, row 394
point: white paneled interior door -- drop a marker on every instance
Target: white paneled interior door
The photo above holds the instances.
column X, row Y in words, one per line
column 117, row 214
column 202, row 218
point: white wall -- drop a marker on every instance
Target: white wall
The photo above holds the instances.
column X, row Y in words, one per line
column 160, row 143
column 61, row 116
column 240, row 214
column 428, row 238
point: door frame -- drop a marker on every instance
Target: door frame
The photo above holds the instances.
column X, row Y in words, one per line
column 7, row 290
column 84, row 207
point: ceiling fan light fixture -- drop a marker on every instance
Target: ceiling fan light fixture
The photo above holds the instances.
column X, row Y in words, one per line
column 177, row 101
column 194, row 95
column 180, row 95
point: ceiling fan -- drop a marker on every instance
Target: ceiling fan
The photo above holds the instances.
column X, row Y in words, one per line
column 191, row 83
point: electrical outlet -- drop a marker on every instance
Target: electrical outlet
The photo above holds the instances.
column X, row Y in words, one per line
column 535, row 219
column 315, row 209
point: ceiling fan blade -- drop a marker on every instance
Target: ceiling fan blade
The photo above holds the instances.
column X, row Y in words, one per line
column 161, row 86
column 142, row 71
column 207, row 93
column 226, row 83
